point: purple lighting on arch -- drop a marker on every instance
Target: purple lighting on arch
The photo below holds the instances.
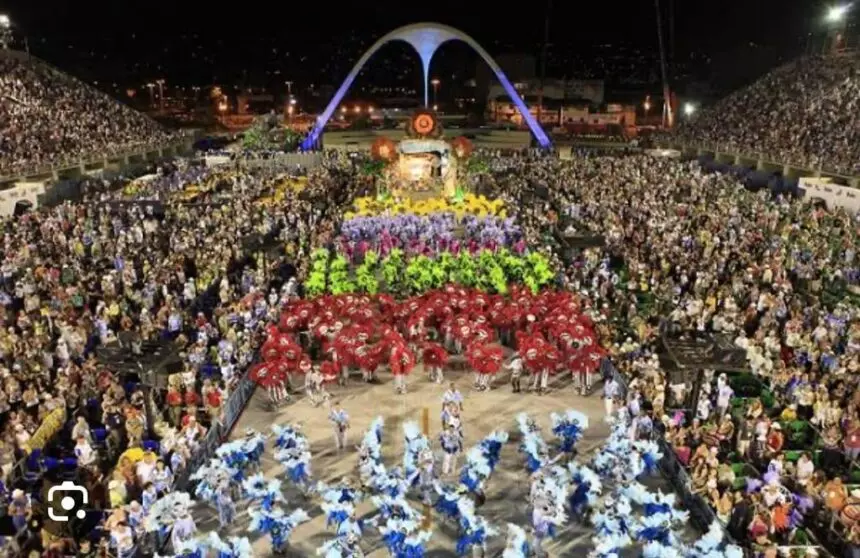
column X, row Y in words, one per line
column 533, row 124
column 425, row 38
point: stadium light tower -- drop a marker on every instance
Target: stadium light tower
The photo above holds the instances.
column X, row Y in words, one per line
column 836, row 14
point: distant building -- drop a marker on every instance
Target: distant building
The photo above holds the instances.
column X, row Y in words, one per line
column 578, row 115
column 572, row 90
column 574, row 101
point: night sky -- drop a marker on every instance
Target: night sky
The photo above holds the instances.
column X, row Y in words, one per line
column 198, row 43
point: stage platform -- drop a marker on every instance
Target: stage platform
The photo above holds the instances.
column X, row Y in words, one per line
column 507, row 489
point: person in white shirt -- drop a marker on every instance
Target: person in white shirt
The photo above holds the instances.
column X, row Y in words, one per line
column 804, row 469
column 451, row 395
column 724, row 395
column 145, row 468
column 22, row 437
column 122, row 539
column 611, row 391
column 516, row 368
column 81, row 428
column 84, row 453
column 703, row 410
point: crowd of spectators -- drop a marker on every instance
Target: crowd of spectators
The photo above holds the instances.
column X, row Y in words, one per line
column 692, row 255
column 81, row 278
column 804, row 113
column 47, row 117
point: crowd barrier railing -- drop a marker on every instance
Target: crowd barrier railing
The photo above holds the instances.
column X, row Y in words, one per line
column 218, row 431
column 767, row 158
column 215, row 436
column 91, row 159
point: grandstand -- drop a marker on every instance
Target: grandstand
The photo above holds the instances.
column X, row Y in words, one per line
column 48, row 118
column 803, row 114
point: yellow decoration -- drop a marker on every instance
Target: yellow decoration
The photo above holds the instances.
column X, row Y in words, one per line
column 134, row 455
column 294, row 184
column 480, row 206
column 52, row 424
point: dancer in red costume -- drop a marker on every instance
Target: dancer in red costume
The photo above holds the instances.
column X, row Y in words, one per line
column 271, row 378
column 486, row 360
column 435, row 357
column 401, row 362
column 363, row 331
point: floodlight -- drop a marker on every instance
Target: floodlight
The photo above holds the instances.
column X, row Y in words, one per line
column 837, row 13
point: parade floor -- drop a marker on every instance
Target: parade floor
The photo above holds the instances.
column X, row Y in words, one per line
column 506, row 490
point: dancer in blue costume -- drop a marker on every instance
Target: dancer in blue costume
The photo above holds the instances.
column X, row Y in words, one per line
column 277, row 525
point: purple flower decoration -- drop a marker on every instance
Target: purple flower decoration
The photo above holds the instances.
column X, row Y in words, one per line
column 432, row 234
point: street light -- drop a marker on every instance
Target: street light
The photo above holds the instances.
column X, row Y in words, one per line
column 150, row 86
column 435, row 83
column 689, row 109
column 160, row 83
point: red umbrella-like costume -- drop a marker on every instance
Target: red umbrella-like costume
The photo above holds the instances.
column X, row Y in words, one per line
column 435, row 357
column 270, row 376
column 367, row 357
column 486, row 360
column 401, row 361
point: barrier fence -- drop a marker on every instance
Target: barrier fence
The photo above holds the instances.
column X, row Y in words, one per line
column 700, row 512
column 216, row 435
column 218, row 431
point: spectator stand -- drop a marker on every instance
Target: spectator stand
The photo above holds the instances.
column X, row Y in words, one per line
column 828, row 527
column 719, row 356
column 717, row 157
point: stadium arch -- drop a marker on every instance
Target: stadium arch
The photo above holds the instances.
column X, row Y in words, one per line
column 425, row 38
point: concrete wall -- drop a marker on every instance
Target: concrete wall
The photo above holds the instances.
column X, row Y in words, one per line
column 306, row 160
column 93, row 165
column 354, row 140
column 759, row 162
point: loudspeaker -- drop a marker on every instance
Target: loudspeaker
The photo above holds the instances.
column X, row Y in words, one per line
column 22, row 207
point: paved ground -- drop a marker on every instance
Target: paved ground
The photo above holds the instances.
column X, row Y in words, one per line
column 483, row 412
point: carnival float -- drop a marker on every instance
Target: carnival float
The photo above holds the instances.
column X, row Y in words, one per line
column 422, row 165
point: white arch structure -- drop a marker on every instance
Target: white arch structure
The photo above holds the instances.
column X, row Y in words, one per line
column 425, row 38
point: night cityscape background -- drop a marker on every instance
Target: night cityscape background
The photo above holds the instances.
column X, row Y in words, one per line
column 710, row 49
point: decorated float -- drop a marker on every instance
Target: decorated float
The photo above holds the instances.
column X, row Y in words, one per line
column 423, row 164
